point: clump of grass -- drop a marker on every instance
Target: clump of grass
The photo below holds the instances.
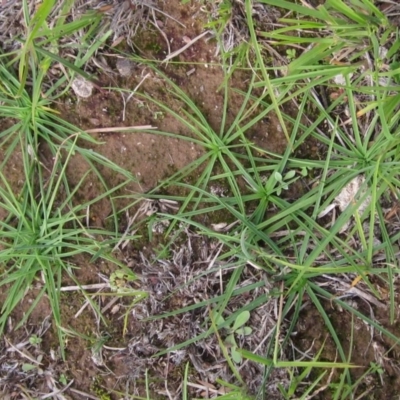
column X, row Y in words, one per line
column 292, row 243
column 45, row 224
column 297, row 250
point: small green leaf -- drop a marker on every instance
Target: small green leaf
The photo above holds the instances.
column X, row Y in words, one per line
column 290, row 174
column 28, row 367
column 393, row 49
column 278, row 176
column 35, row 340
column 62, row 379
column 244, row 331
column 230, row 339
column 241, row 319
column 393, row 67
column 247, row 330
column 236, row 357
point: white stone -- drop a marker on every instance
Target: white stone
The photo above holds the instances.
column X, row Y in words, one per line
column 82, row 87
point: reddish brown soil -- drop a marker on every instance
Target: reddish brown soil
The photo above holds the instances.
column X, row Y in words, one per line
column 152, row 158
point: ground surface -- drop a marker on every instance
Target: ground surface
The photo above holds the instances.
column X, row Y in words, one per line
column 110, row 360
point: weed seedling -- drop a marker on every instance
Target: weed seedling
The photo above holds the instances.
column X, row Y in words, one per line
column 237, row 328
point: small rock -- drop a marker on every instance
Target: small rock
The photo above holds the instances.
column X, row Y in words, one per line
column 82, row 87
column 95, row 121
column 125, row 67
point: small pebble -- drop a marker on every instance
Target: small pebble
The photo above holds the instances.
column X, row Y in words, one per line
column 125, row 67
column 82, row 87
